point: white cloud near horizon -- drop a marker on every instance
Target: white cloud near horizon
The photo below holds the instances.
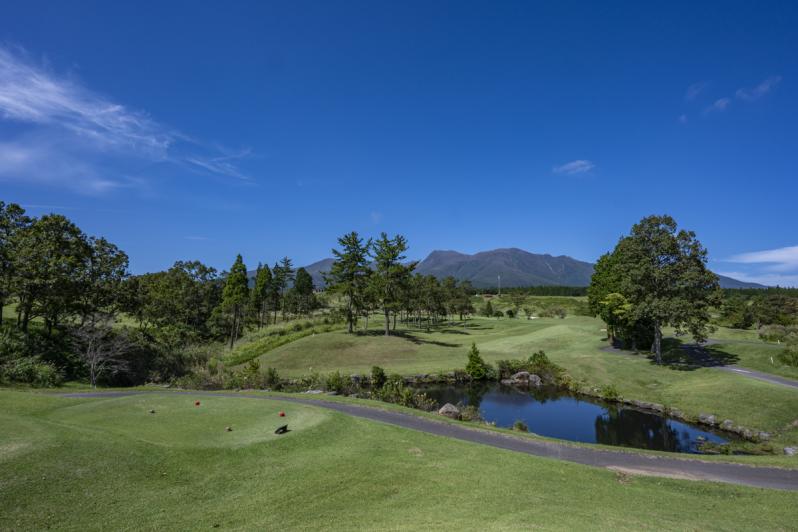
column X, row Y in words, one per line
column 70, row 135
column 579, row 166
column 777, row 266
column 760, row 90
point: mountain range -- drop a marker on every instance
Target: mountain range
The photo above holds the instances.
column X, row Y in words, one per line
column 515, row 266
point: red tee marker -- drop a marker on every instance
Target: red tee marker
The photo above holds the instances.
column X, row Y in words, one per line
column 281, row 414
column 196, row 403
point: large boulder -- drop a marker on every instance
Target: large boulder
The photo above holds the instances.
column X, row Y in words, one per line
column 450, row 411
column 707, row 419
column 523, row 378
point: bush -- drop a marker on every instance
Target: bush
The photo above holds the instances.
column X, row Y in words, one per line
column 609, row 392
column 538, row 363
column 469, row 413
column 778, row 333
column 520, row 426
column 789, row 356
column 32, row 371
column 510, row 313
column 377, row 377
column 477, row 368
column 272, row 379
column 337, row 383
column 498, row 314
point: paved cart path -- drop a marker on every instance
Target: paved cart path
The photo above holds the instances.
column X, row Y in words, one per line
column 636, row 463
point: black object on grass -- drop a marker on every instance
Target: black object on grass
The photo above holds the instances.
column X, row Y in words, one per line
column 281, row 430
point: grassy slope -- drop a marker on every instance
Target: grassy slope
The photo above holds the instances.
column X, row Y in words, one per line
column 574, row 343
column 82, row 464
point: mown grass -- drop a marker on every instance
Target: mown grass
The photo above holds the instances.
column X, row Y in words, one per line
column 576, row 343
column 101, row 464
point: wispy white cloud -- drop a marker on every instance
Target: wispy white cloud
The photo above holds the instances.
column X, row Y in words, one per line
column 718, row 105
column 580, row 166
column 694, row 90
column 770, row 266
column 760, row 90
column 69, row 135
column 786, row 256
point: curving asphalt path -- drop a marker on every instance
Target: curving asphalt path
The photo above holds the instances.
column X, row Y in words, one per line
column 636, row 463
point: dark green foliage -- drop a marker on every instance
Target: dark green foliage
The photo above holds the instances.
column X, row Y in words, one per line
column 510, row 313
column 349, row 274
column 520, row 426
column 661, row 278
column 789, row 356
column 477, row 368
column 538, row 363
column 30, row 370
column 391, row 277
column 609, row 392
column 378, row 377
column 235, row 296
column 498, row 314
column 338, row 383
column 487, row 310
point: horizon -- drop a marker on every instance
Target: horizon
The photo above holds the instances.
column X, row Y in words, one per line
column 270, row 130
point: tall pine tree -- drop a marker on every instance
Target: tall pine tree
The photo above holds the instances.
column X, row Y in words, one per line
column 235, row 296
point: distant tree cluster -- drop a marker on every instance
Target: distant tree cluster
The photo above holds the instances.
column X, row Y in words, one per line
column 373, row 276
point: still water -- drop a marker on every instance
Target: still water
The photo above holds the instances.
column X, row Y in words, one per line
column 558, row 414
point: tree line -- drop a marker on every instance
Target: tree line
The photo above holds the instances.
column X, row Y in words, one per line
column 371, row 275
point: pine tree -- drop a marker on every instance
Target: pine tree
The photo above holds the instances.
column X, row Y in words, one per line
column 390, row 274
column 349, row 274
column 235, row 296
column 261, row 293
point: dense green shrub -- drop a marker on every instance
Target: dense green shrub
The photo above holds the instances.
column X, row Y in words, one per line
column 477, row 368
column 610, row 392
column 469, row 413
column 779, row 333
column 538, row 363
column 272, row 379
column 378, row 377
column 29, row 370
column 338, row 383
column 789, row 356
column 520, row 426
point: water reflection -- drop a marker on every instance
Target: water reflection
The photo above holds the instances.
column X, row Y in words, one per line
column 550, row 412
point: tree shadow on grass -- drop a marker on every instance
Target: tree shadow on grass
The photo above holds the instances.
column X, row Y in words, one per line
column 405, row 335
column 682, row 356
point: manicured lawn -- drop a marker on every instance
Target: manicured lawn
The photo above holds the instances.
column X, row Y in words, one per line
column 575, row 343
column 102, row 464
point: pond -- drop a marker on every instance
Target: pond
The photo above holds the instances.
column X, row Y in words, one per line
column 559, row 414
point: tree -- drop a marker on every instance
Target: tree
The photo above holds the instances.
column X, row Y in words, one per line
column 663, row 276
column 303, row 292
column 477, row 368
column 49, row 256
column 100, row 347
column 390, row 275
column 349, row 274
column 260, row 295
column 101, row 279
column 235, row 296
column 12, row 220
column 282, row 277
column 487, row 310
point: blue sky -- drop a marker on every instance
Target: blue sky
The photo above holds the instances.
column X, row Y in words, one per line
column 199, row 130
